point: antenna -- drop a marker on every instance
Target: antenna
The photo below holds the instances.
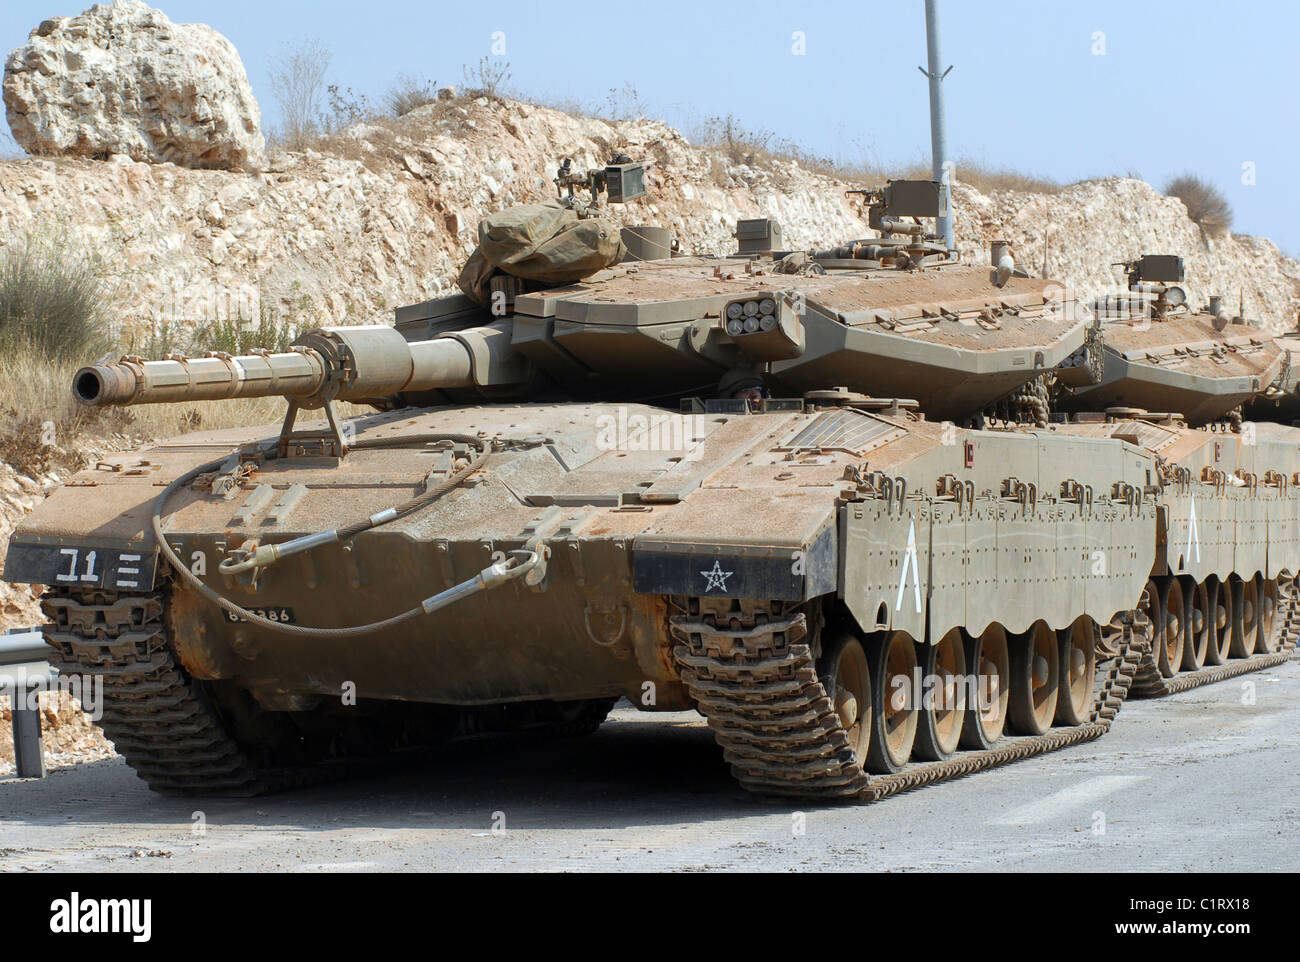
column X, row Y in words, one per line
column 938, row 138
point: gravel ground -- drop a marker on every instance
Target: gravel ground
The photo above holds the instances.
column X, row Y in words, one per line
column 1198, row 782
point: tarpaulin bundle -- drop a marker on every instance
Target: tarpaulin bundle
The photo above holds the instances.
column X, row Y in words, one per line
column 548, row 243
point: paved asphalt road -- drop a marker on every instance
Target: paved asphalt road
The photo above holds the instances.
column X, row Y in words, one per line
column 1200, row 781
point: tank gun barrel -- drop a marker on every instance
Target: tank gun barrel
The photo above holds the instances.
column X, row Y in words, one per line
column 136, row 381
column 333, row 363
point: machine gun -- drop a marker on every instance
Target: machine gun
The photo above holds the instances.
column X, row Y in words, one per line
column 896, row 211
column 1153, row 280
column 621, row 180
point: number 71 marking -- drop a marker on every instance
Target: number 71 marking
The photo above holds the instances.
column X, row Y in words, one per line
column 71, row 573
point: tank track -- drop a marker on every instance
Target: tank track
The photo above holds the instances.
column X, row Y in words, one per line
column 176, row 738
column 757, row 685
column 1030, row 403
column 1150, row 683
column 752, row 678
column 155, row 716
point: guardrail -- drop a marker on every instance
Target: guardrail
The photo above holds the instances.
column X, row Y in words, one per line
column 22, row 665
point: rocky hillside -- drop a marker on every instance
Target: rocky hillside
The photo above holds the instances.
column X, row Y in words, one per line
column 19, row 494
column 384, row 214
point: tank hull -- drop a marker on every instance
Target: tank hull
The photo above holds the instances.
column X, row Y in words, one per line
column 893, row 526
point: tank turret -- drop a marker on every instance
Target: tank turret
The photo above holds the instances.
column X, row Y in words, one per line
column 1160, row 354
column 890, row 315
column 556, row 307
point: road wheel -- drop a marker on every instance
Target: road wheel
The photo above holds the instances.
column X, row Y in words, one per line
column 892, row 665
column 1220, row 640
column 1078, row 670
column 943, row 705
column 1152, row 603
column 1172, row 637
column 847, row 680
column 1270, row 604
column 1035, row 680
column 1246, row 623
column 988, row 661
column 1200, row 623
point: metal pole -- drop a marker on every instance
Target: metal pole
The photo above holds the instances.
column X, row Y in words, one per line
column 29, row 746
column 17, row 648
column 938, row 139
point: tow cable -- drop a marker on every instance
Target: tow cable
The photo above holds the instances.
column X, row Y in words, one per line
column 528, row 563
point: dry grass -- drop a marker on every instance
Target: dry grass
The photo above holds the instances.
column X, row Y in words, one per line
column 725, row 137
column 54, row 309
column 388, row 137
column 317, row 116
column 488, row 78
column 377, row 158
column 731, row 141
column 1205, row 203
column 380, row 150
column 346, row 108
column 860, row 173
column 739, row 144
column 409, row 93
column 983, row 177
column 620, row 104
column 987, row 179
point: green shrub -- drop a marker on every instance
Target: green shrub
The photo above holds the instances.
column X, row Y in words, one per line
column 237, row 336
column 53, row 298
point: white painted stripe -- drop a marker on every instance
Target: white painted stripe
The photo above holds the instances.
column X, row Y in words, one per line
column 1087, row 791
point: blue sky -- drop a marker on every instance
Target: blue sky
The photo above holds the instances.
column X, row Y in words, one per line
column 1191, row 85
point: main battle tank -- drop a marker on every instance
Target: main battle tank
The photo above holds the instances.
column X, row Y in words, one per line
column 551, row 511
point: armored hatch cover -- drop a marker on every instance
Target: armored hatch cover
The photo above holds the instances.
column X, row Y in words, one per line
column 1183, row 364
column 1164, row 439
column 945, row 335
column 1145, row 434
